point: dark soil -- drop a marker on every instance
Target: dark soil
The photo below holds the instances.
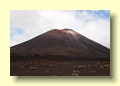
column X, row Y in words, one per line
column 25, row 66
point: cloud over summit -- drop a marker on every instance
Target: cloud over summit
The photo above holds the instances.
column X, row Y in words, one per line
column 25, row 25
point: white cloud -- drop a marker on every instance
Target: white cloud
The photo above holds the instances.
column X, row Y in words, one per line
column 34, row 23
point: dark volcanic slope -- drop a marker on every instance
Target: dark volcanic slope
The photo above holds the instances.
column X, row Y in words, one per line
column 62, row 42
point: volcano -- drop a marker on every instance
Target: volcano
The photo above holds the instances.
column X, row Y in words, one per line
column 65, row 42
column 62, row 53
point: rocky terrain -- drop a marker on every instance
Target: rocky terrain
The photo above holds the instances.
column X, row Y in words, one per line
column 60, row 53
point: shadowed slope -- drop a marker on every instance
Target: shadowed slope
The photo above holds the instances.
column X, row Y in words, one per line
column 62, row 42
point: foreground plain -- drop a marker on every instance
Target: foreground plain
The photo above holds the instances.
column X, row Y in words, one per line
column 43, row 67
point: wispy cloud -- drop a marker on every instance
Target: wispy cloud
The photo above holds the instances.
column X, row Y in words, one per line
column 92, row 24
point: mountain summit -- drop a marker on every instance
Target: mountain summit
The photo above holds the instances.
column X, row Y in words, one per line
column 62, row 42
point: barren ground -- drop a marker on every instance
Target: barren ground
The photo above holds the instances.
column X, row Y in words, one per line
column 60, row 68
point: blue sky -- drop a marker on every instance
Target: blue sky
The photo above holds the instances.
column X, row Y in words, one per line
column 16, row 31
column 94, row 24
column 103, row 14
